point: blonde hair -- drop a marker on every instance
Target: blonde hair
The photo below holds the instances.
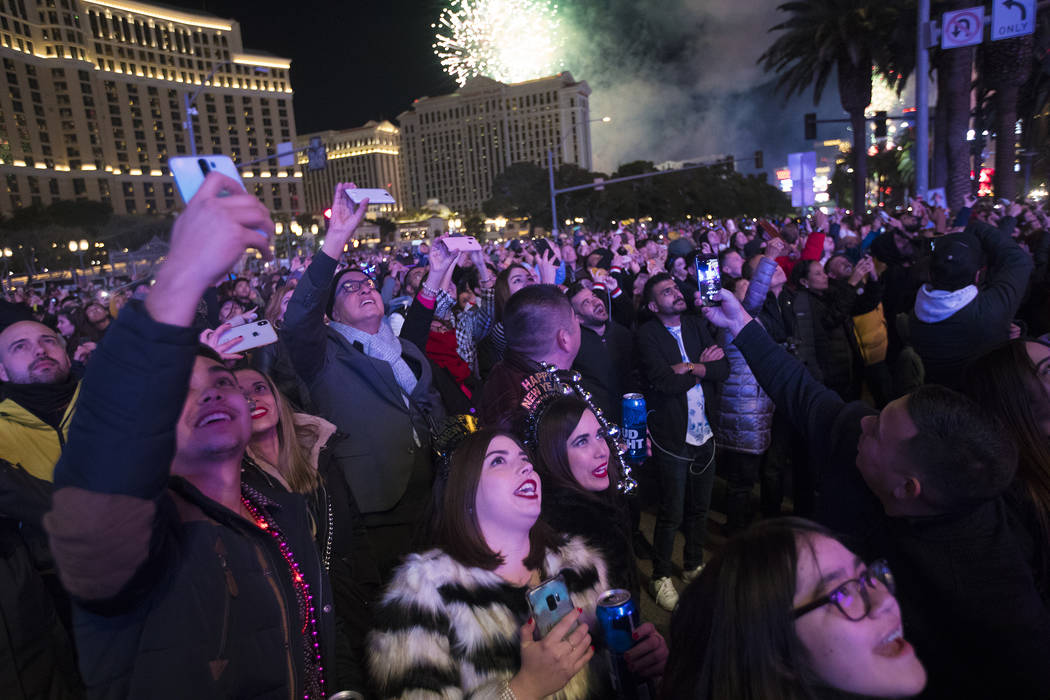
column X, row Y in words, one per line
column 294, row 441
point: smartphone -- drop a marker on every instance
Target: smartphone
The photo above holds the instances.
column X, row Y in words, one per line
column 709, row 279
column 190, row 171
column 374, row 196
column 455, row 244
column 542, row 246
column 549, row 602
column 253, row 335
column 883, row 215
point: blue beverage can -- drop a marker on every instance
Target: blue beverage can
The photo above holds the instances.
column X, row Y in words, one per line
column 634, row 416
column 618, row 618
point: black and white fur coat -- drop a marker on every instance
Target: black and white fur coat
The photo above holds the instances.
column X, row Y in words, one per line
column 445, row 630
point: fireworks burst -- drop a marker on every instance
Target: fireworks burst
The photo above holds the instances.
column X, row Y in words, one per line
column 506, row 40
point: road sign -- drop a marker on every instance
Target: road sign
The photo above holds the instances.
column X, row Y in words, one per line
column 1012, row 18
column 962, row 27
column 803, row 166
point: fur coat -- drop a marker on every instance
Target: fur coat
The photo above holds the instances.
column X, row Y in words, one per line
column 445, row 630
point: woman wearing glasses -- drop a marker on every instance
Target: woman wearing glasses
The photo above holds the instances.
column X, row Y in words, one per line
column 786, row 611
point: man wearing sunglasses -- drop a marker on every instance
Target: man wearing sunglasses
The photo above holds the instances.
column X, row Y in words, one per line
column 920, row 483
column 375, row 387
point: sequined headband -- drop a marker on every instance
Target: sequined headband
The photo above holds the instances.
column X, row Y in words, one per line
column 541, row 390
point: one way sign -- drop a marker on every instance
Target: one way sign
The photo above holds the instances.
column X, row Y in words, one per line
column 1012, row 18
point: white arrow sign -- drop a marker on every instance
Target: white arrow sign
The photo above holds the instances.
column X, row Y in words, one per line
column 1012, row 18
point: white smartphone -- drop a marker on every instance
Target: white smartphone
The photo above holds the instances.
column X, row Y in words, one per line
column 190, row 171
column 466, row 244
column 374, row 196
column 252, row 335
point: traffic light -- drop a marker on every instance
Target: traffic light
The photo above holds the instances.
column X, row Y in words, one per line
column 758, row 160
column 880, row 125
column 811, row 126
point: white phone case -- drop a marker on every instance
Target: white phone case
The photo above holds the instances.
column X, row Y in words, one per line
column 374, row 196
column 190, row 171
column 253, row 335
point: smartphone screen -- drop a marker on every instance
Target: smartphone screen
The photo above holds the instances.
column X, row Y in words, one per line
column 709, row 279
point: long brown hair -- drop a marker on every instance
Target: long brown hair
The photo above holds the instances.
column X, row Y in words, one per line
column 273, row 307
column 293, row 455
column 552, row 438
column 502, row 289
column 456, row 527
column 1006, row 383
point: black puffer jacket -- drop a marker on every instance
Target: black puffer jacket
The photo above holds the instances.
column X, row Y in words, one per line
column 823, row 332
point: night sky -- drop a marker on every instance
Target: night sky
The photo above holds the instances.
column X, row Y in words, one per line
column 678, row 77
column 352, row 60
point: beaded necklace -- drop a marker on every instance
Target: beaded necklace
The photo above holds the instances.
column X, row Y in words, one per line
column 313, row 686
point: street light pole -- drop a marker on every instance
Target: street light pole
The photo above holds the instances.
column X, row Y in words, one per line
column 191, row 111
column 922, row 100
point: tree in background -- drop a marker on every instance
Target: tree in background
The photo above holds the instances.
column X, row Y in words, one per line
column 521, row 192
column 848, row 37
column 1005, row 67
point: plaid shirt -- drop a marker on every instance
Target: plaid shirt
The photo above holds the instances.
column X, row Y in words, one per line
column 471, row 325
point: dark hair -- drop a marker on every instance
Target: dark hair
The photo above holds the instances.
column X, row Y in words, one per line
column 963, row 454
column 209, row 353
column 647, row 290
column 533, row 316
column 502, row 288
column 555, row 427
column 733, row 635
column 801, row 272
column 456, row 528
column 789, row 232
column 1005, row 382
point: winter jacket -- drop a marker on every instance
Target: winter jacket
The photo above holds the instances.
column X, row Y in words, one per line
column 445, row 630
column 606, row 364
column 387, row 435
column 36, row 649
column 951, row 329
column 666, row 393
column 175, row 595
column 823, row 332
column 968, row 600
column 29, row 442
column 603, row 520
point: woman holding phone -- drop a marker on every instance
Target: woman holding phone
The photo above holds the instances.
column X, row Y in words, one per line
column 455, row 621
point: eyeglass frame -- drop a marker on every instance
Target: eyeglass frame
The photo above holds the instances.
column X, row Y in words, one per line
column 368, row 281
column 866, row 585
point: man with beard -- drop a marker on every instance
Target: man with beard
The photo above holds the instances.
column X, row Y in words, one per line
column 605, row 360
column 186, row 582
column 681, row 362
column 38, row 393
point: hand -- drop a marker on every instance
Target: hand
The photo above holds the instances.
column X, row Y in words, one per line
column 84, row 351
column 244, row 317
column 729, row 314
column 1015, row 332
column 549, row 664
column 1014, row 209
column 682, row 368
column 345, row 220
column 712, row 353
column 396, row 268
column 648, row 656
column 218, row 224
column 441, row 260
column 776, row 248
column 548, row 266
column 211, row 339
column 821, row 220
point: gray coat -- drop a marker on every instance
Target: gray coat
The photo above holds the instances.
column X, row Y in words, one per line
column 360, row 395
column 744, row 415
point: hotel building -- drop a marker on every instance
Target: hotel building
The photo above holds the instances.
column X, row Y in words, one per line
column 92, row 104
column 453, row 146
column 368, row 156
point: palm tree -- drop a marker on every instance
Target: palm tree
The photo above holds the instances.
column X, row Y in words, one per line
column 1005, row 67
column 850, row 36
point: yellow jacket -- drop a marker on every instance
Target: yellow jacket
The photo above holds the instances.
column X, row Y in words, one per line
column 31, row 443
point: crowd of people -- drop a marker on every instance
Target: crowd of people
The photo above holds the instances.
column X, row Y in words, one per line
column 359, row 509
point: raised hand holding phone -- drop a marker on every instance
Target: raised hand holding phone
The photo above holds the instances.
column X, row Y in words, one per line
column 218, row 224
column 345, row 220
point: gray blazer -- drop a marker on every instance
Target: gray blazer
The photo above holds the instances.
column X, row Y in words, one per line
column 360, row 395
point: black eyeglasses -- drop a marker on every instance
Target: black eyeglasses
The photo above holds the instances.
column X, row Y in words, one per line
column 354, row 286
column 853, row 598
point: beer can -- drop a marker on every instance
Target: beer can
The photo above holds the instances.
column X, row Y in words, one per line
column 634, row 417
column 617, row 616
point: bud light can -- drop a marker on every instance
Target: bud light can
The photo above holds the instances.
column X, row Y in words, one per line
column 634, row 415
column 618, row 618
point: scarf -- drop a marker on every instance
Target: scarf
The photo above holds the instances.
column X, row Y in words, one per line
column 385, row 346
column 48, row 402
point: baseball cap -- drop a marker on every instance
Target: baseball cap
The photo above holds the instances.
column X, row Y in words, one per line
column 955, row 262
